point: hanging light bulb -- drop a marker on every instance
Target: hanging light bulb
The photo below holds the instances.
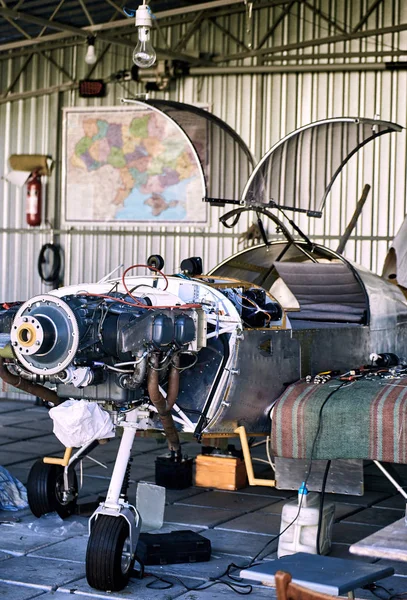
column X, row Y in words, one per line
column 144, row 54
column 90, row 57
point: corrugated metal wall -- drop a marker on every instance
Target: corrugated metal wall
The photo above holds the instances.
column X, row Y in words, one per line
column 260, row 107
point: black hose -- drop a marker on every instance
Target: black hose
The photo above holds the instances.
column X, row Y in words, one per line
column 321, row 504
column 53, row 272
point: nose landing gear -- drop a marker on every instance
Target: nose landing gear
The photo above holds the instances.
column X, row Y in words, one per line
column 110, row 553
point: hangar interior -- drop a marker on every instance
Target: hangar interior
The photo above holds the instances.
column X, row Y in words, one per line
column 285, row 117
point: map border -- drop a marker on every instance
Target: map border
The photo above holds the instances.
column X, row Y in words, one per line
column 120, row 223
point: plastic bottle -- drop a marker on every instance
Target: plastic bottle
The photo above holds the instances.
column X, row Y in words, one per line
column 301, row 536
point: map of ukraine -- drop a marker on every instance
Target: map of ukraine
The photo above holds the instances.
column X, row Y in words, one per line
column 153, row 158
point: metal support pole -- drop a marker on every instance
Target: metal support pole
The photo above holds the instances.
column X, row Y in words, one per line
column 241, row 431
column 122, row 459
column 390, row 478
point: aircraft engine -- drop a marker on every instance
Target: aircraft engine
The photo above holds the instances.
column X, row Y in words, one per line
column 103, row 343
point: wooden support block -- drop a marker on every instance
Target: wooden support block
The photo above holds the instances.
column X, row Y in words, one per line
column 220, row 472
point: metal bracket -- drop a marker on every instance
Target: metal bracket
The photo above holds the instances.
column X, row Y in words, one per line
column 241, row 431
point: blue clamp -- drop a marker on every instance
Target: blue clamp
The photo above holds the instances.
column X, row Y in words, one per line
column 130, row 12
column 303, row 489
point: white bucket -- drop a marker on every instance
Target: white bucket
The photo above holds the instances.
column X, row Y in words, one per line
column 301, row 536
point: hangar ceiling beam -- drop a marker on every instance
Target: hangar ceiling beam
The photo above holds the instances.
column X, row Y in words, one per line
column 391, row 52
column 228, row 33
column 13, row 24
column 87, row 13
column 56, row 65
column 314, row 42
column 63, row 87
column 84, row 33
column 199, row 71
column 323, row 16
column 248, row 70
column 63, row 27
column 16, row 77
column 54, row 13
column 365, row 17
column 115, row 6
column 44, row 48
column 276, row 23
column 196, row 23
column 214, row 5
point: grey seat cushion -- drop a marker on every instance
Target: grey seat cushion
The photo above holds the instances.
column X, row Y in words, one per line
column 325, row 291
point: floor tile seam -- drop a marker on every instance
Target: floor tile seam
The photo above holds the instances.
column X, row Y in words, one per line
column 277, row 498
column 242, row 513
column 382, row 500
column 345, row 521
column 204, row 527
column 12, row 554
column 361, row 524
column 227, row 554
column 247, row 532
column 176, row 503
column 48, row 544
column 226, row 520
column 27, row 439
column 14, row 412
column 172, row 574
column 35, row 586
column 389, row 508
column 342, row 519
column 31, row 554
column 243, row 531
column 10, row 441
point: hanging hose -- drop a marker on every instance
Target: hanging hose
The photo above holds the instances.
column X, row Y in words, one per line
column 27, row 386
column 164, row 405
column 50, row 257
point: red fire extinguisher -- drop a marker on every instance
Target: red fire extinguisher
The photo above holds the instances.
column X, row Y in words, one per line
column 33, row 208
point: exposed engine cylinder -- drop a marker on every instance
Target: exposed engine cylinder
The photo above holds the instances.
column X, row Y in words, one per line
column 77, row 340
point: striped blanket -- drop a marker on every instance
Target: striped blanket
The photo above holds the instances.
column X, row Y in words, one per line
column 366, row 420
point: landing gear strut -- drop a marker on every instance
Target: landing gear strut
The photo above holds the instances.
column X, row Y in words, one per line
column 115, row 525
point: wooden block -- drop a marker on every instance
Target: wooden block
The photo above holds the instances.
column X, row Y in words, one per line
column 220, row 472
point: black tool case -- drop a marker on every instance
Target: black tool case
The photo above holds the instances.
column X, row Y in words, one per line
column 175, row 547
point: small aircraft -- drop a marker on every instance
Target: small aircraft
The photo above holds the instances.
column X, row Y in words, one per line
column 203, row 354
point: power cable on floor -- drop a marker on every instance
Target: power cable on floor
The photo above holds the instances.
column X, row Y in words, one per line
column 240, row 589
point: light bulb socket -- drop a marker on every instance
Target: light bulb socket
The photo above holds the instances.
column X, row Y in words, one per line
column 144, row 16
column 90, row 57
column 91, row 40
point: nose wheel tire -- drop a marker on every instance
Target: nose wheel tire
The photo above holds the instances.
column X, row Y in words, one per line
column 45, row 487
column 109, row 560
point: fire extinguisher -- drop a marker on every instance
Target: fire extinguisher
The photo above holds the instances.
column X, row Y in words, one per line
column 33, row 208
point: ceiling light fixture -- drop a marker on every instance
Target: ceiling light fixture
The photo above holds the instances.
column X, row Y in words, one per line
column 144, row 55
column 90, row 57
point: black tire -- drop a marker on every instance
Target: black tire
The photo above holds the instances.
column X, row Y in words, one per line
column 108, row 556
column 44, row 490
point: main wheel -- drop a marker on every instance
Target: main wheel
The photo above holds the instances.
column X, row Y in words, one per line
column 45, row 488
column 109, row 560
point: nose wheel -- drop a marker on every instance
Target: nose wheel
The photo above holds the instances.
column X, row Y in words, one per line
column 46, row 491
column 109, row 556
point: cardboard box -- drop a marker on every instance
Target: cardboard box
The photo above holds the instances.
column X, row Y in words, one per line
column 220, row 472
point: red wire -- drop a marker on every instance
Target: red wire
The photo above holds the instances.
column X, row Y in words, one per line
column 147, row 267
column 166, row 286
column 136, row 300
column 139, row 304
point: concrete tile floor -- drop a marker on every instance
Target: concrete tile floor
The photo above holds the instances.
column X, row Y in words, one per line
column 45, row 558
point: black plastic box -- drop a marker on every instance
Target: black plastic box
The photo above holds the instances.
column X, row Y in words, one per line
column 170, row 548
column 172, row 473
